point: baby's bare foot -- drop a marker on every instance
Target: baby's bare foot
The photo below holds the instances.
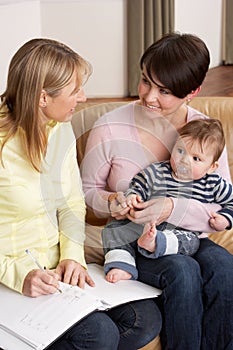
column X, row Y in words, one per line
column 147, row 239
column 115, row 275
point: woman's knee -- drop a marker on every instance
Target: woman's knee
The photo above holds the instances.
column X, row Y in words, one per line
column 139, row 322
column 179, row 270
column 218, row 279
column 183, row 275
column 216, row 266
column 147, row 317
column 97, row 331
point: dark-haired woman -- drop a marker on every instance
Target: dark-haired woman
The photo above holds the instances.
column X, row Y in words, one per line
column 197, row 298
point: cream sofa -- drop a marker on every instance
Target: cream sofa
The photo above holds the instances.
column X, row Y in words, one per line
column 83, row 120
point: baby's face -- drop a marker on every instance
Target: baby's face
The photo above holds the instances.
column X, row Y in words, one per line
column 190, row 161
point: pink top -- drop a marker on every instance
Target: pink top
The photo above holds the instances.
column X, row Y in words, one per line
column 114, row 154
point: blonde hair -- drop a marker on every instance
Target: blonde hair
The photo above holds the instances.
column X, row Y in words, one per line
column 208, row 132
column 39, row 64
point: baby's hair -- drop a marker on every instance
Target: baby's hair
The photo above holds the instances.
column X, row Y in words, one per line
column 207, row 132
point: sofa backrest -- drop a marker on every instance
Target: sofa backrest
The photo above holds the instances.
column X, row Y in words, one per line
column 215, row 107
column 84, row 119
column 220, row 108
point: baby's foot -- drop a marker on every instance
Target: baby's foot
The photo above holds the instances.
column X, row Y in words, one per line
column 115, row 275
column 147, row 239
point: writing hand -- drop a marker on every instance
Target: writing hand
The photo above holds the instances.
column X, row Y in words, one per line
column 38, row 282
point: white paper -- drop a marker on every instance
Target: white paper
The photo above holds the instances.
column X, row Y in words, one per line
column 118, row 293
column 34, row 323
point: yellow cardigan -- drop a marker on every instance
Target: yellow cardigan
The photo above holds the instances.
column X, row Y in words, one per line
column 43, row 212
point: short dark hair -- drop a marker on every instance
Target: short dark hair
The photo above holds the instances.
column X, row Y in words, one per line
column 179, row 61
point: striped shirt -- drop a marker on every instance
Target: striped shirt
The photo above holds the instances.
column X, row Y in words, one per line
column 157, row 181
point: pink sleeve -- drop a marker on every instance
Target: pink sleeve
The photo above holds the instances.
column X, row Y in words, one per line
column 191, row 214
column 112, row 157
column 194, row 215
column 95, row 168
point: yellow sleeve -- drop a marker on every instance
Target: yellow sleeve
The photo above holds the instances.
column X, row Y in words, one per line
column 71, row 250
column 14, row 271
column 72, row 211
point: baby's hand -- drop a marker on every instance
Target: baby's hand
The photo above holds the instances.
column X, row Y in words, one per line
column 218, row 222
column 132, row 200
column 119, row 205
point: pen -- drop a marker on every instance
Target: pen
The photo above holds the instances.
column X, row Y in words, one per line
column 37, row 263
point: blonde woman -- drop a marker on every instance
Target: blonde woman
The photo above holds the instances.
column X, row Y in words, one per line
column 42, row 206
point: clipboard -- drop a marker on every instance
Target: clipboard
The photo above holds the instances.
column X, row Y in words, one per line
column 34, row 323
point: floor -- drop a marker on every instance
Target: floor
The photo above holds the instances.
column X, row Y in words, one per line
column 218, row 82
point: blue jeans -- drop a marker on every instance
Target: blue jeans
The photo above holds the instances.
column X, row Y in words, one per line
column 197, row 299
column 126, row 327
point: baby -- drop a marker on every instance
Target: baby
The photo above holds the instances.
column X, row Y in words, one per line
column 190, row 173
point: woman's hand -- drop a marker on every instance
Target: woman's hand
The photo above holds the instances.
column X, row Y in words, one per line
column 155, row 210
column 39, row 282
column 71, row 272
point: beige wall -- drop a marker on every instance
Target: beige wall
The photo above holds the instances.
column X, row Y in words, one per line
column 202, row 18
column 97, row 30
column 20, row 21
